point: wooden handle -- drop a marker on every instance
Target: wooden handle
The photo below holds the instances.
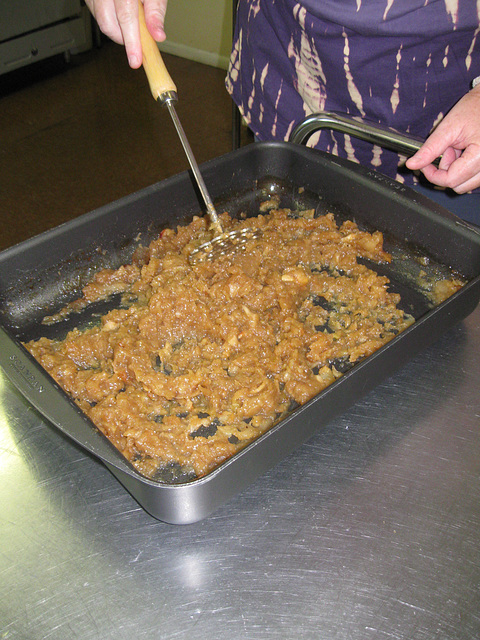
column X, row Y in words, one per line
column 158, row 77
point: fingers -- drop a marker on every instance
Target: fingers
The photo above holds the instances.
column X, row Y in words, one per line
column 118, row 19
column 459, row 169
column 457, row 140
column 461, row 175
column 448, row 158
column 104, row 14
column 127, row 16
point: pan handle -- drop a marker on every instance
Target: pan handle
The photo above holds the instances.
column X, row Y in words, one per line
column 358, row 128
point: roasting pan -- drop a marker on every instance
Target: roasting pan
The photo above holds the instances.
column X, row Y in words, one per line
column 41, row 275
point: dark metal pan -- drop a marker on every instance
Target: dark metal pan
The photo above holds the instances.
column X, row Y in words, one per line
column 39, row 276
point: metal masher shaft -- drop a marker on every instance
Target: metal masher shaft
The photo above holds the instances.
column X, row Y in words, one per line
column 164, row 91
column 194, row 166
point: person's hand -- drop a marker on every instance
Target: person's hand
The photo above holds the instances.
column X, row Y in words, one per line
column 457, row 140
column 118, row 19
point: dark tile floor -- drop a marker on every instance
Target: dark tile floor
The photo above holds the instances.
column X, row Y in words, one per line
column 79, row 135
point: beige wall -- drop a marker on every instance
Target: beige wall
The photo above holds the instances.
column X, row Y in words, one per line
column 199, row 30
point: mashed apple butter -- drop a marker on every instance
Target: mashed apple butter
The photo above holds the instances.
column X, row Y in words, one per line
column 202, row 359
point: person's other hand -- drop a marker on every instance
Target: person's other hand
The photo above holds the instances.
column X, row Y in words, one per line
column 118, row 19
column 457, row 139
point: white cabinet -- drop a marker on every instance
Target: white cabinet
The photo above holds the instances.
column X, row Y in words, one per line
column 31, row 30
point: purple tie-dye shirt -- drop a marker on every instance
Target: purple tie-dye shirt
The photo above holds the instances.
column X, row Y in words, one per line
column 403, row 63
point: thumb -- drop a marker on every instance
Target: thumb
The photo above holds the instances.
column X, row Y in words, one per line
column 155, row 11
column 441, row 138
column 422, row 158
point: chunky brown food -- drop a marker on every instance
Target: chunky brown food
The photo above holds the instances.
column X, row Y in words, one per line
column 205, row 358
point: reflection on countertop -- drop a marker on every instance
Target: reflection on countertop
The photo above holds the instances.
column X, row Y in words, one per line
column 368, row 530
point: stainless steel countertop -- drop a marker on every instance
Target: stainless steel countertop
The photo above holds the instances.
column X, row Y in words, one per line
column 370, row 530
